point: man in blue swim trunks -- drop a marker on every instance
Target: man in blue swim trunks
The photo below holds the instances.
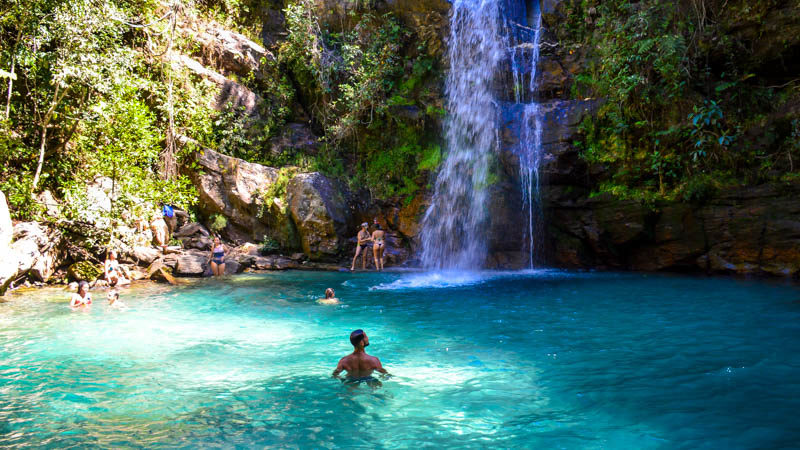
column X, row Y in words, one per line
column 359, row 365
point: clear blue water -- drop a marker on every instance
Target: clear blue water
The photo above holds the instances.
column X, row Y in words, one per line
column 543, row 359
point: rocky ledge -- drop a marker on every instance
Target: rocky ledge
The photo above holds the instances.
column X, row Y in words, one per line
column 753, row 230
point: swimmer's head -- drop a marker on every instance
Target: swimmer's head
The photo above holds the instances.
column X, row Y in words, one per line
column 329, row 293
column 216, row 241
column 359, row 339
column 112, row 296
column 83, row 287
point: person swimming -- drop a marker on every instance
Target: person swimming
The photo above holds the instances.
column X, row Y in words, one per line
column 113, row 300
column 82, row 297
column 330, row 298
column 363, row 238
column 379, row 246
column 359, row 365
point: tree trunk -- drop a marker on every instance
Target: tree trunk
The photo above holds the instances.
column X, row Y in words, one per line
column 10, row 86
column 42, row 146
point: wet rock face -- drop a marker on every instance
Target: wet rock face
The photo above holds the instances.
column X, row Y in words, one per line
column 231, row 186
column 747, row 230
column 320, row 212
column 83, row 271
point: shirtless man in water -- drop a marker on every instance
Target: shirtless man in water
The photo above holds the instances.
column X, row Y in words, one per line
column 359, row 365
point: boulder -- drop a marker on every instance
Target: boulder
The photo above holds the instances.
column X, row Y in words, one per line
column 158, row 271
column 237, row 95
column 84, row 271
column 191, row 264
column 320, row 213
column 231, row 187
column 160, row 231
column 8, row 264
column 233, row 267
column 6, row 227
column 193, row 229
column 231, row 52
column 198, row 243
column 39, row 250
column 145, row 255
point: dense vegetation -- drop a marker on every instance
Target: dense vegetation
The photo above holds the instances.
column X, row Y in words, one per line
column 697, row 94
column 94, row 92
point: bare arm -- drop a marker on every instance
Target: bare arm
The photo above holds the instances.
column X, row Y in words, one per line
column 339, row 368
column 379, row 367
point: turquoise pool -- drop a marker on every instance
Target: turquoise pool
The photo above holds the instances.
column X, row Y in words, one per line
column 543, row 359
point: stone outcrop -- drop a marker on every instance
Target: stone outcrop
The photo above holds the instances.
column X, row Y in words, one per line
column 230, row 92
column 192, row 263
column 8, row 264
column 742, row 231
column 231, row 187
column 83, row 271
column 320, row 213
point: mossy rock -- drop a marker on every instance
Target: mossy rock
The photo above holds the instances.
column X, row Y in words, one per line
column 83, row 271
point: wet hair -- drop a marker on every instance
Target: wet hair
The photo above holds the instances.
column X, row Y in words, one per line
column 114, row 294
column 378, row 226
column 356, row 337
column 329, row 293
column 82, row 285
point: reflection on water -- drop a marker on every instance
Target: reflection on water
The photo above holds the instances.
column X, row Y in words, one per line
column 509, row 359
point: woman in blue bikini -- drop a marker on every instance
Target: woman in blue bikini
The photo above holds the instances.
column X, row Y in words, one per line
column 217, row 258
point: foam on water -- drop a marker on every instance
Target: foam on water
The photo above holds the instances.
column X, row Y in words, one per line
column 460, row 278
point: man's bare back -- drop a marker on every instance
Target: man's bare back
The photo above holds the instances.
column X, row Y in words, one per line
column 359, row 364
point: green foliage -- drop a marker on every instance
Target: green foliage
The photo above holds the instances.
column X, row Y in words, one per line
column 682, row 98
column 369, row 105
column 269, row 246
column 217, row 222
column 275, row 194
column 90, row 100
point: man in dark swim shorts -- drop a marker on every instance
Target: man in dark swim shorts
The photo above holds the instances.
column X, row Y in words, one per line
column 359, row 365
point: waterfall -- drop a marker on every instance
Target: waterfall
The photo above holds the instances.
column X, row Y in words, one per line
column 453, row 229
column 529, row 150
column 482, row 37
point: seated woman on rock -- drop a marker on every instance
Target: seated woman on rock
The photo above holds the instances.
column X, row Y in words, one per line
column 112, row 270
column 330, row 298
column 82, row 297
column 217, row 258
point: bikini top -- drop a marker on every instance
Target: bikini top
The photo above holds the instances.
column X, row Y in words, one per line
column 219, row 252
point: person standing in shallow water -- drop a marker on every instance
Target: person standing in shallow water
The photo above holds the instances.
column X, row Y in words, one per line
column 363, row 237
column 359, row 365
column 217, row 258
column 378, row 246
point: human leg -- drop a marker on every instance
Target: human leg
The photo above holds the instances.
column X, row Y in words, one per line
column 358, row 251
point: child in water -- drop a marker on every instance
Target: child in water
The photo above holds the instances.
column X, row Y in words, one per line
column 330, row 298
column 113, row 300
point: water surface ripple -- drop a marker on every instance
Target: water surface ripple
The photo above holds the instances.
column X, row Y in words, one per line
column 534, row 359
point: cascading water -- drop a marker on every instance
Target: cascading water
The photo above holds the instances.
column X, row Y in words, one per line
column 453, row 229
column 482, row 35
column 529, row 150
